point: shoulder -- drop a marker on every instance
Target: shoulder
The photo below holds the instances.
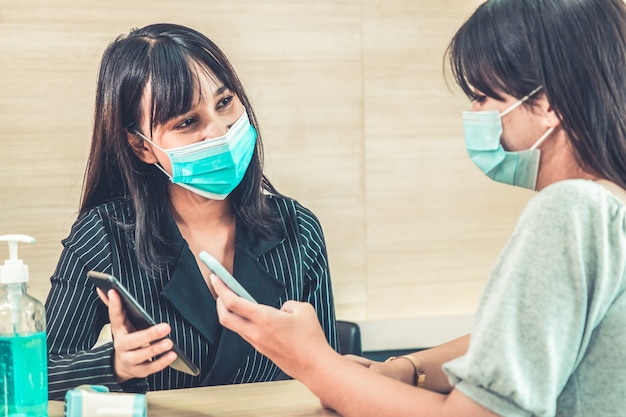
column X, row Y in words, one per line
column 580, row 201
column 578, row 191
column 573, row 219
column 120, row 209
column 288, row 208
column 568, row 220
column 298, row 220
column 95, row 224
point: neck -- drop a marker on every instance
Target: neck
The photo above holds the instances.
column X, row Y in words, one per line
column 558, row 162
column 192, row 211
column 205, row 225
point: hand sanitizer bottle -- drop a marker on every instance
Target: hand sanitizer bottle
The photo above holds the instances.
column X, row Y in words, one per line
column 23, row 352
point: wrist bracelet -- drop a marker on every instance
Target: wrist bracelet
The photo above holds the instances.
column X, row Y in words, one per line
column 420, row 375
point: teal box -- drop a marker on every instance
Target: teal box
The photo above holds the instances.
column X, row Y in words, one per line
column 96, row 400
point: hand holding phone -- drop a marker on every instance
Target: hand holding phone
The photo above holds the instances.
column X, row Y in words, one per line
column 139, row 318
column 225, row 276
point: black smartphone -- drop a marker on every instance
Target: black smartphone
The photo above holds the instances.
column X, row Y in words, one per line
column 139, row 317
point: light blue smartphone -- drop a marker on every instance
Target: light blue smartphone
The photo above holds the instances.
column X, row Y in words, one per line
column 225, row 276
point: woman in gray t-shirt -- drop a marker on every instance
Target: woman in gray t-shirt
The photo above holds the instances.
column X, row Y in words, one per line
column 547, row 80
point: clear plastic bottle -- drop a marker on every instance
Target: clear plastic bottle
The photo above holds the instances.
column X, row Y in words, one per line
column 23, row 352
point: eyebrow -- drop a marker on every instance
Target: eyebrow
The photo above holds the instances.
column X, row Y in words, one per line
column 221, row 90
column 218, row 92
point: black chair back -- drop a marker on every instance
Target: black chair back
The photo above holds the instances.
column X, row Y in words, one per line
column 349, row 335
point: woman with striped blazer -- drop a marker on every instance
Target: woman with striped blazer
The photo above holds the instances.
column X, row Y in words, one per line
column 176, row 168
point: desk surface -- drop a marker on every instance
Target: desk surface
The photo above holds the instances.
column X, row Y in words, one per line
column 276, row 399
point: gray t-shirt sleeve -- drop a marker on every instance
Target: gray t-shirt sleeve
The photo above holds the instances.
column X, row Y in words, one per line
column 549, row 289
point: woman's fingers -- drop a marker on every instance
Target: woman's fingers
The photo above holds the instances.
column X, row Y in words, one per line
column 137, row 353
column 290, row 337
column 151, row 336
column 117, row 315
column 102, row 296
column 141, row 362
column 146, row 368
column 231, row 301
column 141, row 353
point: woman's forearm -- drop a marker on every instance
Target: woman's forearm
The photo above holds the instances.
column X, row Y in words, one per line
column 433, row 359
column 354, row 390
column 430, row 362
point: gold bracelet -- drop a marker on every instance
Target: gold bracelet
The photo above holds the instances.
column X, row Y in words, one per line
column 420, row 375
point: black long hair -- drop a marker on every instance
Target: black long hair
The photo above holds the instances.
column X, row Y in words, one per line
column 162, row 54
column 575, row 49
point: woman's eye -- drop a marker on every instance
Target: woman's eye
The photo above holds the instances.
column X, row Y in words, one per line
column 225, row 101
column 185, row 123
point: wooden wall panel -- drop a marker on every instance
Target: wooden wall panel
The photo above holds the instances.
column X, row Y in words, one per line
column 434, row 222
column 358, row 125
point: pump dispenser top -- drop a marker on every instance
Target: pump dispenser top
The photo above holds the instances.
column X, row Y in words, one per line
column 14, row 271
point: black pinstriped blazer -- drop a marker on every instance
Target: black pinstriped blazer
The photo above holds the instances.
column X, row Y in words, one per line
column 293, row 266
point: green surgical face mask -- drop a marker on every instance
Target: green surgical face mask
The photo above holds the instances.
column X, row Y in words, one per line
column 213, row 168
column 483, row 130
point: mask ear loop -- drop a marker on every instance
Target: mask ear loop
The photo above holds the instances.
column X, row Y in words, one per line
column 517, row 104
column 156, row 164
column 149, row 140
column 542, row 138
column 520, row 101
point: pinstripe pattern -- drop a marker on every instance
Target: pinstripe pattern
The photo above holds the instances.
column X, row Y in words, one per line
column 295, row 266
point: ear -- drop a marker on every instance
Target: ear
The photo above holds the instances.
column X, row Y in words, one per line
column 550, row 116
column 138, row 145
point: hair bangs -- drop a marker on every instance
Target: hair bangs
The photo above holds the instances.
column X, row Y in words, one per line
column 215, row 65
column 200, row 69
column 490, row 53
column 175, row 79
column 173, row 82
column 474, row 64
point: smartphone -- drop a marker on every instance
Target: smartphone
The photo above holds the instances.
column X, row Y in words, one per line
column 225, row 276
column 139, row 317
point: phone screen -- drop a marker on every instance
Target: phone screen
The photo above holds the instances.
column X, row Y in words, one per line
column 139, row 317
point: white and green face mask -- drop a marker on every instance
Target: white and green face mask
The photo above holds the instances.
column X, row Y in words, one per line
column 213, row 168
column 483, row 130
